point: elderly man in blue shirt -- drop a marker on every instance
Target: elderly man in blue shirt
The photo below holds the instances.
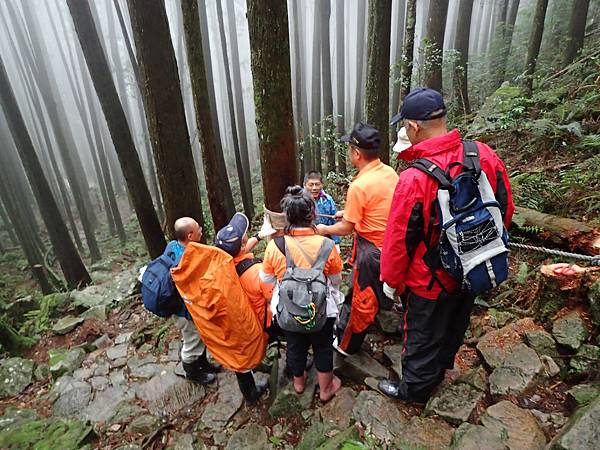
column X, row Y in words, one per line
column 326, row 208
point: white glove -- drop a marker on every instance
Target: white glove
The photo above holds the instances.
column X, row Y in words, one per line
column 267, row 229
column 389, row 291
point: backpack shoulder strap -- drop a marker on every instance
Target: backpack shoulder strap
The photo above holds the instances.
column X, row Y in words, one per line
column 433, row 170
column 280, row 244
column 308, row 258
column 471, row 156
column 289, row 261
column 245, row 264
column 323, row 255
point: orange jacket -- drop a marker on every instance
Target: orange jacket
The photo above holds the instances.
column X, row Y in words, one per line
column 207, row 281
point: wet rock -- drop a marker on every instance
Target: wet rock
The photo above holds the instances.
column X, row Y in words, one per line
column 454, row 403
column 519, row 425
column 549, row 420
column 500, row 318
column 135, row 361
column 15, row 375
column 251, row 437
column 394, row 353
column 84, row 373
column 550, row 367
column 594, row 303
column 96, row 312
column 314, row 436
column 518, row 372
column 101, row 369
column 587, row 359
column 425, row 432
column 117, row 351
column 288, row 401
column 106, row 404
column 166, row 392
column 66, row 324
column 476, row 437
column 174, row 350
column 118, row 363
column 340, row 440
column 41, row 372
column 127, row 411
column 67, row 362
column 570, row 330
column 389, row 321
column 336, row 411
column 144, row 424
column 86, row 298
column 582, row 432
column 542, row 342
column 14, row 416
column 476, row 377
column 103, row 341
column 184, row 441
column 380, row 415
column 52, row 433
column 123, row 338
column 359, row 366
column 583, row 394
column 147, row 371
column 496, row 345
column 117, row 377
column 73, row 396
column 99, row 383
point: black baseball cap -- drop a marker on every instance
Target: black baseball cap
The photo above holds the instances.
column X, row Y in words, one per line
column 421, row 104
column 229, row 238
column 363, row 136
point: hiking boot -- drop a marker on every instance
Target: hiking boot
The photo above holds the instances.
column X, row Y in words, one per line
column 205, row 365
column 329, row 384
column 250, row 390
column 391, row 388
column 197, row 375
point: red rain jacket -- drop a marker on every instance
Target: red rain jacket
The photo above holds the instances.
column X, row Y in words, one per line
column 403, row 247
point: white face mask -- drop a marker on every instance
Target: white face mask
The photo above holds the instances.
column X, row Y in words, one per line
column 402, row 143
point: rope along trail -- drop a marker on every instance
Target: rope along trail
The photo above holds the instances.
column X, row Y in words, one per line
column 549, row 251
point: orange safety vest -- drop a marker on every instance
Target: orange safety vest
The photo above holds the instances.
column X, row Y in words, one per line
column 210, row 287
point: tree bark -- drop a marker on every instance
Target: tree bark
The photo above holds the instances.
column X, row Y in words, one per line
column 579, row 12
column 315, row 88
column 69, row 260
column 409, row 47
column 507, row 42
column 326, row 77
column 239, row 108
column 362, row 12
column 340, row 72
column 535, row 41
column 166, row 120
column 377, row 98
column 117, row 124
column 461, row 44
column 220, row 199
column 397, row 60
column 436, row 27
column 271, row 73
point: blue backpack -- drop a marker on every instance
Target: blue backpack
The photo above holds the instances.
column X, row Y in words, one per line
column 473, row 246
column 159, row 294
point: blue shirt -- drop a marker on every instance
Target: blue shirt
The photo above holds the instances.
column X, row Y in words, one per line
column 326, row 205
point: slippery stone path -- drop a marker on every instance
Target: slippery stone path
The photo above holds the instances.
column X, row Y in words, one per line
column 120, row 389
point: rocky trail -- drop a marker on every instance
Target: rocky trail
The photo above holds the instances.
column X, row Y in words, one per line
column 108, row 376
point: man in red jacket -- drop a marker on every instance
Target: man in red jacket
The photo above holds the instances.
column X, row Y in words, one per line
column 436, row 312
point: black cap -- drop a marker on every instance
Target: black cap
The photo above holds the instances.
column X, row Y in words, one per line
column 363, row 136
column 421, row 104
column 229, row 238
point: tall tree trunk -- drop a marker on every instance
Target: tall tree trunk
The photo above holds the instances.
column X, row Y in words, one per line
column 301, row 88
column 461, row 45
column 535, row 41
column 340, row 73
column 315, row 87
column 377, row 99
column 436, row 28
column 397, row 60
column 69, row 260
column 117, row 124
column 239, row 107
column 231, row 109
column 507, row 42
column 409, row 47
column 271, row 75
column 166, row 121
column 362, row 12
column 62, row 132
column 579, row 12
column 220, row 199
column 326, row 76
column 8, row 227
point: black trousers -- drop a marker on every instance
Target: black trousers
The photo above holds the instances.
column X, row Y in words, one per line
column 434, row 330
column 297, row 349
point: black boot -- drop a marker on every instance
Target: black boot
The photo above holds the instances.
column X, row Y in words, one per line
column 248, row 387
column 194, row 373
column 205, row 365
column 391, row 388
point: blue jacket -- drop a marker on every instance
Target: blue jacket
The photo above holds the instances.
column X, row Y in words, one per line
column 326, row 205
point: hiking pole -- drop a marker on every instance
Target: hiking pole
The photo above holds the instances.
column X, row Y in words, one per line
column 592, row 259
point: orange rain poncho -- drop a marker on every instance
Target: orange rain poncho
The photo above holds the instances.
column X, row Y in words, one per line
column 207, row 281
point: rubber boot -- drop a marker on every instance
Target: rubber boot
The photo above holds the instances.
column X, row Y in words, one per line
column 328, row 385
column 299, row 383
column 205, row 365
column 194, row 373
column 248, row 387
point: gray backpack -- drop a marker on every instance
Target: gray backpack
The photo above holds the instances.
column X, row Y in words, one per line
column 302, row 306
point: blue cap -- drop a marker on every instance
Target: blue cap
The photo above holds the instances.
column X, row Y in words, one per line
column 229, row 238
column 363, row 136
column 421, row 104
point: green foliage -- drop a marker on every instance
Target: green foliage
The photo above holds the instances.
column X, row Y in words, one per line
column 46, row 434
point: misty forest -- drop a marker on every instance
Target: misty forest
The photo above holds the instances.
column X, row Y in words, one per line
column 118, row 117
